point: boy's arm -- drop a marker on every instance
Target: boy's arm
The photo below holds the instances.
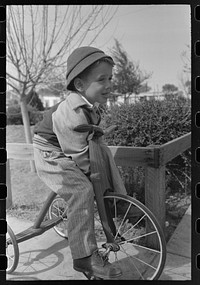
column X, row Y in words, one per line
column 73, row 144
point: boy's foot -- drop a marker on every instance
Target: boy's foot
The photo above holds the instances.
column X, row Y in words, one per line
column 97, row 266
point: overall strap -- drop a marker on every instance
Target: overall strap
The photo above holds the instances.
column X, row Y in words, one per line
column 87, row 114
column 92, row 114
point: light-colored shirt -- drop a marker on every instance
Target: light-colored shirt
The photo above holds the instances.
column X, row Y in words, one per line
column 68, row 115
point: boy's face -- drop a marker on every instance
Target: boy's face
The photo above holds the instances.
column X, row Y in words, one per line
column 97, row 85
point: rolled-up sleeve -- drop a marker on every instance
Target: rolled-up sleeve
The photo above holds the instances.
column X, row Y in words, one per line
column 73, row 144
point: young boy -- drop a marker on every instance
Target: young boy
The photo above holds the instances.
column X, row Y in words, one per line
column 62, row 156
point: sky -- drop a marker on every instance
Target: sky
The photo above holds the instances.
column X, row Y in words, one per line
column 153, row 35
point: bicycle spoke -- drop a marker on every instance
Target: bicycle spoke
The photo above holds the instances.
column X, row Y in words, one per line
column 142, row 245
column 139, row 260
column 145, row 235
column 54, row 214
column 12, row 250
column 147, row 248
column 131, row 257
column 58, row 209
column 122, row 221
column 9, row 257
column 115, row 204
column 134, row 225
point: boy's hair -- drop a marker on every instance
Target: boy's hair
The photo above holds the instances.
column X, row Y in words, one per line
column 87, row 71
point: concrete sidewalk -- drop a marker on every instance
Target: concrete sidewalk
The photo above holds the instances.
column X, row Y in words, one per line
column 178, row 262
column 48, row 257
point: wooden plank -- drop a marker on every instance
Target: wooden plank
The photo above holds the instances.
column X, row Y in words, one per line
column 19, row 151
column 132, row 156
column 125, row 156
column 175, row 147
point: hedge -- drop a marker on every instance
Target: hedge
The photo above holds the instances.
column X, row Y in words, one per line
column 147, row 123
column 14, row 116
column 140, row 125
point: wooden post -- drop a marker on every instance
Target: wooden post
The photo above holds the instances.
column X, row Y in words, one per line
column 155, row 198
column 155, row 192
column 8, row 184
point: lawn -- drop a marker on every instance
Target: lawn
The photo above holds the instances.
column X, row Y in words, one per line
column 29, row 192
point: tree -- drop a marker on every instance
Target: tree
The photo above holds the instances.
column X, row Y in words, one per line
column 188, row 87
column 186, row 58
column 39, row 40
column 127, row 76
column 185, row 78
column 58, row 88
column 169, row 89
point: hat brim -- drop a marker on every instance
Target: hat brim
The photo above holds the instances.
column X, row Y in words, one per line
column 86, row 62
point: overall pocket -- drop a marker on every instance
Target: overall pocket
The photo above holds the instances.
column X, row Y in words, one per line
column 58, row 158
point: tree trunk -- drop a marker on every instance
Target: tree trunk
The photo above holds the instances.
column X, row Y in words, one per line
column 27, row 128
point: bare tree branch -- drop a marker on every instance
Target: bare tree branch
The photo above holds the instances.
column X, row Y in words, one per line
column 39, row 38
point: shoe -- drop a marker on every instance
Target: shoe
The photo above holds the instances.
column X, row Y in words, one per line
column 97, row 266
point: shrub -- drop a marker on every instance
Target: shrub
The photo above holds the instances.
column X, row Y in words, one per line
column 147, row 123
column 35, row 116
column 14, row 116
column 32, row 99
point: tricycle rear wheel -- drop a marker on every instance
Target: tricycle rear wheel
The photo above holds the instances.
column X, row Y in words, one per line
column 12, row 251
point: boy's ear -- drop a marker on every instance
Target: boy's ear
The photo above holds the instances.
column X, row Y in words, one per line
column 78, row 83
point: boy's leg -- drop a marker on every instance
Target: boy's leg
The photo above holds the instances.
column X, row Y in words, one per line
column 80, row 215
column 63, row 176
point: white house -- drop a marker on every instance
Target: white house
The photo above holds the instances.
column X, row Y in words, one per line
column 146, row 96
column 48, row 97
column 117, row 98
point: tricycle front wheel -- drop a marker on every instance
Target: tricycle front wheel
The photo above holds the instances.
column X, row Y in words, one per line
column 140, row 238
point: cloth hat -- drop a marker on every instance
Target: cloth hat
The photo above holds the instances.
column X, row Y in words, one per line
column 80, row 59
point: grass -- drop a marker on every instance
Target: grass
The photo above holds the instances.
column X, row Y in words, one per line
column 28, row 191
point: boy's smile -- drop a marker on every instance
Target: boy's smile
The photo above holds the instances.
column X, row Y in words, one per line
column 97, row 85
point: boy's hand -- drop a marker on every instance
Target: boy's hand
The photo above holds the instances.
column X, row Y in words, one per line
column 93, row 128
column 88, row 128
